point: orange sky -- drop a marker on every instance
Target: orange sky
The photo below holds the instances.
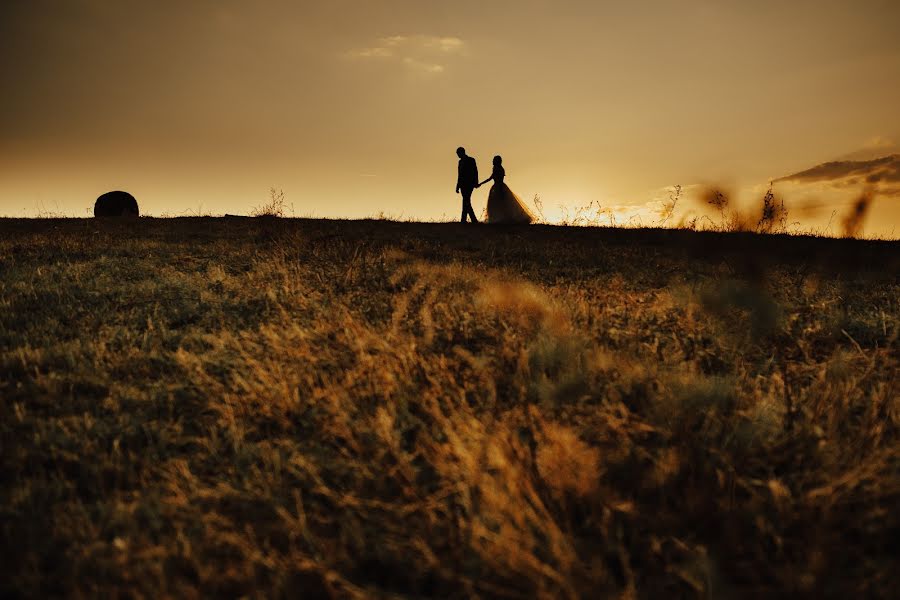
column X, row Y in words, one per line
column 355, row 107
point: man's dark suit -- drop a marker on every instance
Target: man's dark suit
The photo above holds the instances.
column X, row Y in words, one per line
column 467, row 181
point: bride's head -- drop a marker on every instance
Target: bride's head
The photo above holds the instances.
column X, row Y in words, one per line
column 498, row 160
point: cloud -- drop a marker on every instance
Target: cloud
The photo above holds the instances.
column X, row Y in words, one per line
column 421, row 53
column 874, row 147
column 843, row 173
column 816, row 190
column 423, row 66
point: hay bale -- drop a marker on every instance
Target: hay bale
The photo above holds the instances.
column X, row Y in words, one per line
column 116, row 204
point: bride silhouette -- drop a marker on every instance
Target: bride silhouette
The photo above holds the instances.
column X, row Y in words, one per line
column 503, row 206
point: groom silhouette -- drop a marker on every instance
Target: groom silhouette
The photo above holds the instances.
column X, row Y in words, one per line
column 466, row 182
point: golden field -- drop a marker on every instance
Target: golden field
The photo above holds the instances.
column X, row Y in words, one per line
column 230, row 407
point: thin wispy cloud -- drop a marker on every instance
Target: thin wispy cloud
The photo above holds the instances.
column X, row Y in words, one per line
column 426, row 67
column 843, row 173
column 874, row 147
column 873, row 169
column 421, row 53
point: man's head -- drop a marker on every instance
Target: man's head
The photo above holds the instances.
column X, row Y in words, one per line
column 460, row 152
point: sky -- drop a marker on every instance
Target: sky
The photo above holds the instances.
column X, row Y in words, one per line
column 355, row 108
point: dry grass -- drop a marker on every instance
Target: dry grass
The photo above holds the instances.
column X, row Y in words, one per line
column 274, row 408
column 276, row 206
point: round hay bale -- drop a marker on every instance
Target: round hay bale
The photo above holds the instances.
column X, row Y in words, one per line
column 116, row 204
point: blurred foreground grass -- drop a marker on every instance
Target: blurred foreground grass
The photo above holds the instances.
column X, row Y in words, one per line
column 284, row 408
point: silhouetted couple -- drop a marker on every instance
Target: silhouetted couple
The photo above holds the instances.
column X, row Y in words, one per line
column 503, row 206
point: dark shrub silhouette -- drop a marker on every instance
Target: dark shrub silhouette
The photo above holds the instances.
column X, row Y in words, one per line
column 116, row 204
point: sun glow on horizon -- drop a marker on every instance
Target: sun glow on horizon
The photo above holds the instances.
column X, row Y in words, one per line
column 203, row 106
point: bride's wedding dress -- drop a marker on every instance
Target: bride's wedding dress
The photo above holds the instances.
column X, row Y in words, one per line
column 503, row 206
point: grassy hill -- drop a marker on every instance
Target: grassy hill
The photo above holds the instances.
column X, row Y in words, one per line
column 263, row 407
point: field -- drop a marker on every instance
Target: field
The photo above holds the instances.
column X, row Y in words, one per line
column 269, row 407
